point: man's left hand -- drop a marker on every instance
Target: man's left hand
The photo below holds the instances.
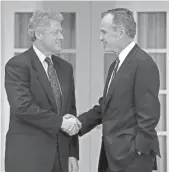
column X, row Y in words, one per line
column 73, row 164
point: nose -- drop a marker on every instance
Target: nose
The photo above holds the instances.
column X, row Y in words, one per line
column 61, row 36
column 101, row 37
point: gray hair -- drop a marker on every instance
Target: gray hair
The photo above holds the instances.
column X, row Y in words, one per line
column 41, row 18
column 124, row 17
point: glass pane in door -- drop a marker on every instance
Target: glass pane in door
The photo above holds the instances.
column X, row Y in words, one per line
column 152, row 30
column 71, row 58
column 160, row 60
column 69, row 31
column 21, row 37
column 162, row 122
column 161, row 162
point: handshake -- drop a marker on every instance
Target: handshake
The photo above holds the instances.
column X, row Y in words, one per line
column 70, row 124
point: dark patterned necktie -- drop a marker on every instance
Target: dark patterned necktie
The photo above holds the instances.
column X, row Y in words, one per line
column 54, row 82
column 117, row 61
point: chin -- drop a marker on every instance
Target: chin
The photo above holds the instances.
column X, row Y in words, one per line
column 58, row 49
column 107, row 50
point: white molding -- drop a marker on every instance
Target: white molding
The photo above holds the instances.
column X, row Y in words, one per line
column 151, row 10
column 162, row 92
column 155, row 50
column 162, row 133
column 167, row 86
column 71, row 51
column 24, row 11
column 108, row 53
column 147, row 49
column 136, row 20
column 20, row 50
column 2, row 53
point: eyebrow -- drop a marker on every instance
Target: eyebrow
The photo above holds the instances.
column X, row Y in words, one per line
column 57, row 29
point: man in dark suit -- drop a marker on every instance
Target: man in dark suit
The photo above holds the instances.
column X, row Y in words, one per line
column 40, row 91
column 129, row 109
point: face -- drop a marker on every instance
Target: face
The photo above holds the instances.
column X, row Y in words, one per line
column 109, row 34
column 51, row 37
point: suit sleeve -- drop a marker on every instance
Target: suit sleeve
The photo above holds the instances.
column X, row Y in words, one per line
column 17, row 85
column 147, row 104
column 74, row 144
column 91, row 119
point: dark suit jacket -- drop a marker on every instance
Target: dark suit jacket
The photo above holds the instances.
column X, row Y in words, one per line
column 129, row 113
column 34, row 128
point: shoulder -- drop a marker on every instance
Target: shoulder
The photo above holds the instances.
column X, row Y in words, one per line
column 63, row 63
column 144, row 59
column 21, row 59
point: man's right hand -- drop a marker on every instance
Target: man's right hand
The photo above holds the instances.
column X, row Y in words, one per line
column 70, row 124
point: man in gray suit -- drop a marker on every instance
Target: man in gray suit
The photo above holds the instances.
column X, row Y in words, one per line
column 40, row 91
column 129, row 109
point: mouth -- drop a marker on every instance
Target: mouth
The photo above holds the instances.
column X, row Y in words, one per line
column 58, row 43
column 104, row 44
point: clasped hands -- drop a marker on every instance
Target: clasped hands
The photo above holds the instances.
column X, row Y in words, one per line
column 70, row 124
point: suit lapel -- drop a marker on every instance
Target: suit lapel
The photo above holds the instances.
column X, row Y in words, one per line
column 42, row 77
column 61, row 78
column 120, row 71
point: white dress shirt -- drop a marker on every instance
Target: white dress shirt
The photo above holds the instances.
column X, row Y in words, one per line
column 42, row 57
column 122, row 57
column 125, row 52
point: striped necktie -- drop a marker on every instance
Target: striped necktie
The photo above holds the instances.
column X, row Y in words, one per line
column 117, row 61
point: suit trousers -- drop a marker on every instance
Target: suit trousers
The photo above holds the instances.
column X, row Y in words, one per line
column 141, row 163
column 57, row 165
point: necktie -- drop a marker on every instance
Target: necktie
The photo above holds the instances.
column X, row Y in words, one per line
column 54, row 82
column 117, row 61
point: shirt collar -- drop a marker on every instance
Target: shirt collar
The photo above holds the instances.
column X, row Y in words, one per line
column 40, row 55
column 126, row 51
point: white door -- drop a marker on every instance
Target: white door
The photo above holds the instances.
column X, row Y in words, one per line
column 152, row 35
column 76, row 50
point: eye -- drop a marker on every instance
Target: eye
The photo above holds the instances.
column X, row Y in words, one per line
column 56, row 32
column 103, row 32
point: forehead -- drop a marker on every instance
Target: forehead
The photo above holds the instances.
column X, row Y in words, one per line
column 106, row 22
column 55, row 25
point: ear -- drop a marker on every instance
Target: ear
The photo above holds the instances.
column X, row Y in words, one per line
column 38, row 34
column 122, row 32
